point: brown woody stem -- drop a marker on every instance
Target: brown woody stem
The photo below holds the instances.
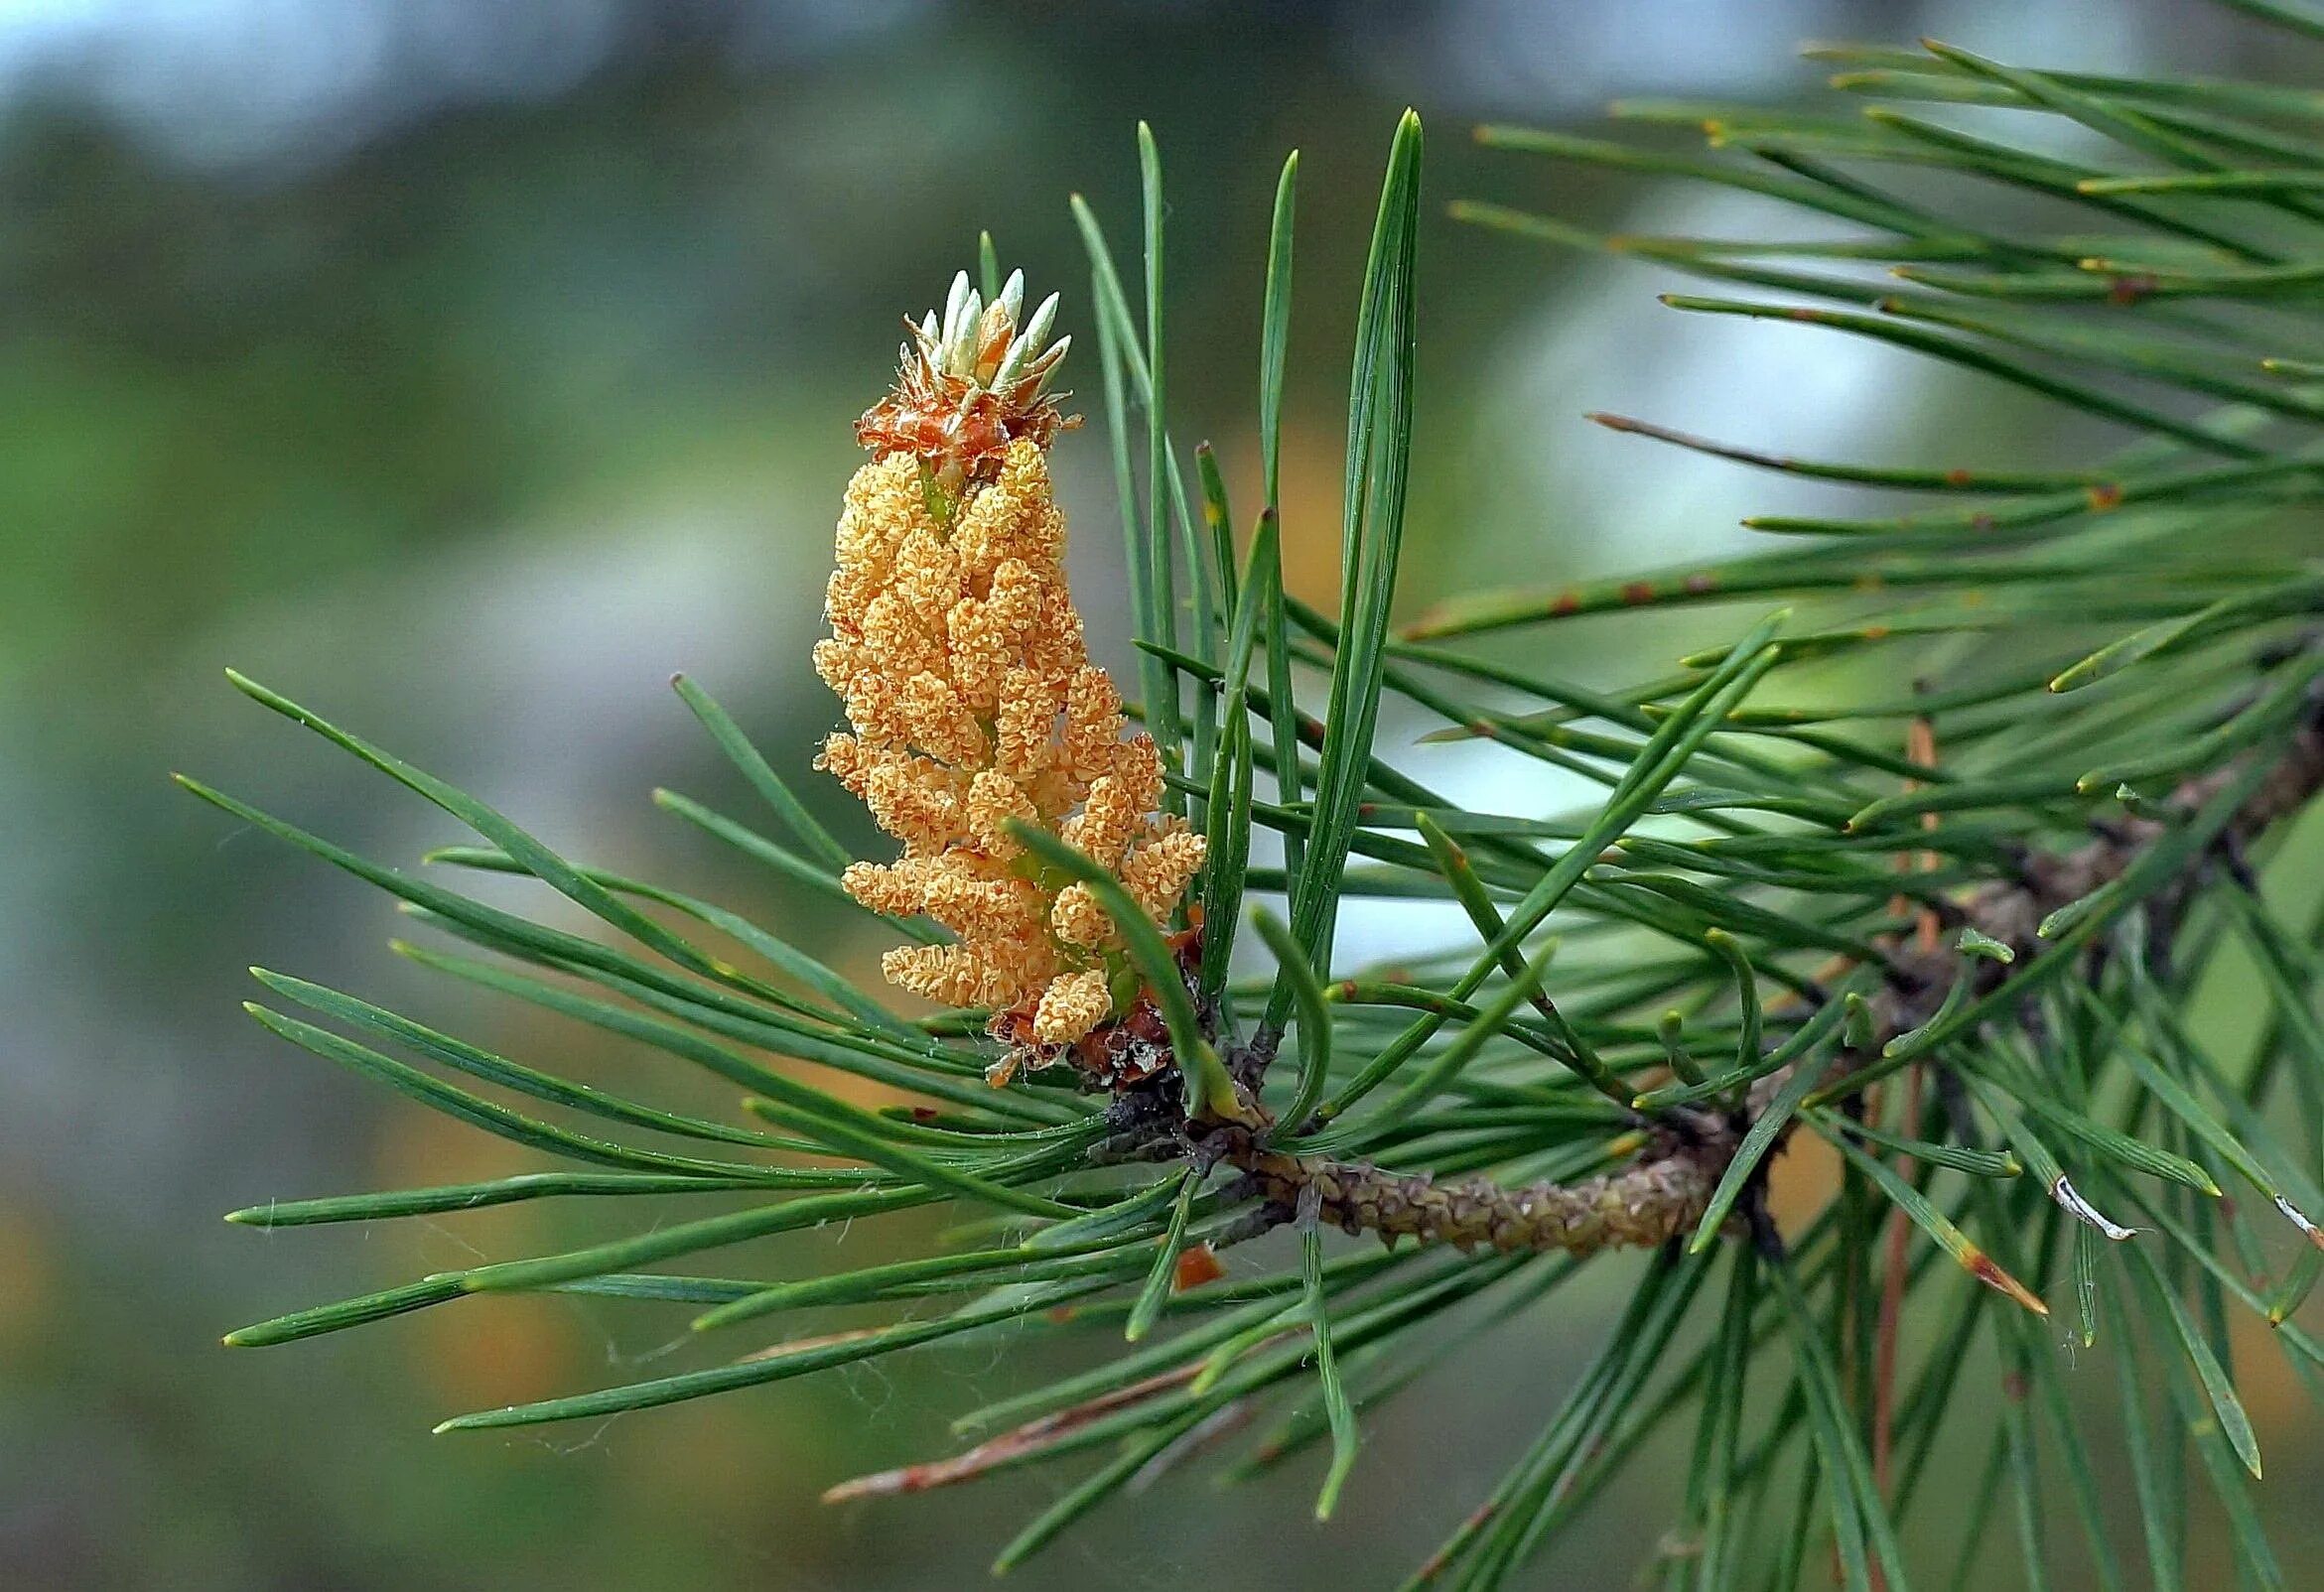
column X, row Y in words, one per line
column 1656, row 1198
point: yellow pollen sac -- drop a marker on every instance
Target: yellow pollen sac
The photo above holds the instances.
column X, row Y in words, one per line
column 957, row 650
column 1073, row 1003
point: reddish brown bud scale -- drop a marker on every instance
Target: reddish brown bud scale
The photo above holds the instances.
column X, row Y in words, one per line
column 949, row 420
column 1196, row 1264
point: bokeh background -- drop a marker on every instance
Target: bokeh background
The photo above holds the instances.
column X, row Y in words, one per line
column 465, row 367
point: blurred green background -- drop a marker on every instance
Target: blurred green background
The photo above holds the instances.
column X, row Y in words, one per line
column 465, row 366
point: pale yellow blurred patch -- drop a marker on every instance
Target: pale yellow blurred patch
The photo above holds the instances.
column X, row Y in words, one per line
column 28, row 1277
column 502, row 1349
column 421, row 1149
column 869, row 1093
column 2283, row 1414
column 1803, row 1180
column 496, row 1349
column 415, row 1148
column 1315, row 461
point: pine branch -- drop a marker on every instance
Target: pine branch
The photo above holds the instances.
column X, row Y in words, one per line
column 1738, row 941
column 1663, row 1194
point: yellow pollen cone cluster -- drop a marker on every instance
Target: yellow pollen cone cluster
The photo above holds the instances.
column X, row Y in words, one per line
column 959, row 653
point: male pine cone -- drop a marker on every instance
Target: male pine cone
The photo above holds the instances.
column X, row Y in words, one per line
column 972, row 700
